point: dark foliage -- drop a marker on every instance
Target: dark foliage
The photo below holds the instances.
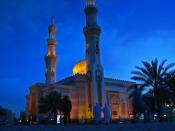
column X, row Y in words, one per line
column 139, row 105
column 52, row 103
column 154, row 75
column 170, row 82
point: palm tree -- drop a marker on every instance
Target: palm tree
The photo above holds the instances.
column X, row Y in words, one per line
column 139, row 105
column 153, row 75
column 51, row 103
column 170, row 81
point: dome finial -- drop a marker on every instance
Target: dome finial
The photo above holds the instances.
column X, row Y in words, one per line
column 90, row 2
column 52, row 29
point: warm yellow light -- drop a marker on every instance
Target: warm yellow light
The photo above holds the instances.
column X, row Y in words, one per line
column 53, row 52
column 53, row 69
column 49, row 52
column 80, row 68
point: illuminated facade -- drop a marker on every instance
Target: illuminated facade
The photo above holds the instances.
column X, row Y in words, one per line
column 87, row 86
column 51, row 57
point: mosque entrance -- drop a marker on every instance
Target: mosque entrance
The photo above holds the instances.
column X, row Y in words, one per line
column 114, row 103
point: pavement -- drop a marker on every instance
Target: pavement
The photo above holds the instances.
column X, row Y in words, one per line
column 110, row 127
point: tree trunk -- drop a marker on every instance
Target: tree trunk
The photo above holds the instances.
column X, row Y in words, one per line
column 158, row 104
column 160, row 115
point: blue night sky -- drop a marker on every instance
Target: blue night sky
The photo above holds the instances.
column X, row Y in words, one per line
column 133, row 30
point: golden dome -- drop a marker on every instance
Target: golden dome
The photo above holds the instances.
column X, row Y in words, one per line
column 80, row 67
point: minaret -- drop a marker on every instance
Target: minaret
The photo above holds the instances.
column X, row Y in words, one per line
column 95, row 74
column 51, row 57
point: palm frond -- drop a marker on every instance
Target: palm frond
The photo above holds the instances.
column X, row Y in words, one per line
column 138, row 73
column 167, row 68
column 154, row 68
column 138, row 78
column 144, row 71
column 148, row 68
column 161, row 66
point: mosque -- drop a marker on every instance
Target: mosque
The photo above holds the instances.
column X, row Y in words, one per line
column 88, row 85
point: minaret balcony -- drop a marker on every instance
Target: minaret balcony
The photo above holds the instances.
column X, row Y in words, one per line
column 92, row 30
column 91, row 9
column 48, row 59
column 51, row 42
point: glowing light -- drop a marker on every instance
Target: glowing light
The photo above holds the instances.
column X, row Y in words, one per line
column 58, row 119
column 53, row 69
column 167, row 105
column 164, row 115
column 48, row 53
column 80, row 68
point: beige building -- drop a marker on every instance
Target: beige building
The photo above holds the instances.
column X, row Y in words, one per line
column 88, row 85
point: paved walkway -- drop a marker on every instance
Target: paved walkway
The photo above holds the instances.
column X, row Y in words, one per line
column 113, row 127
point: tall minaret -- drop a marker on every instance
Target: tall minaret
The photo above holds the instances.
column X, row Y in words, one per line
column 95, row 74
column 51, row 57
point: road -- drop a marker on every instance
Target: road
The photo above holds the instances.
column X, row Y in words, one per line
column 111, row 127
